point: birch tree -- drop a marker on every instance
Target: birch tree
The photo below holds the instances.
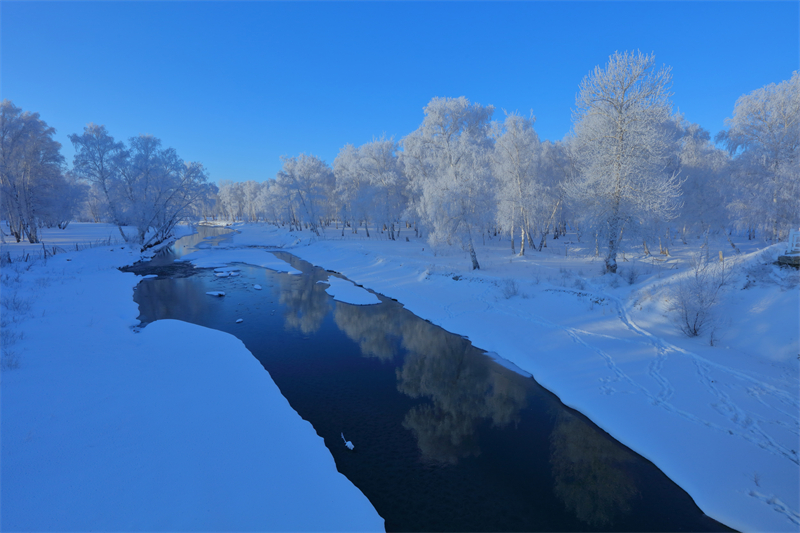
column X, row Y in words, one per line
column 516, row 161
column 447, row 162
column 624, row 148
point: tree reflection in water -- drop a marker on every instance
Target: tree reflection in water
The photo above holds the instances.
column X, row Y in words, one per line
column 305, row 301
column 374, row 330
column 441, row 366
column 589, row 471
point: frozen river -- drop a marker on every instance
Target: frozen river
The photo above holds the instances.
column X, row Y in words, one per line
column 445, row 438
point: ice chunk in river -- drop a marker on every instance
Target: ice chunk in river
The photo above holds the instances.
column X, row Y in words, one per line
column 347, row 292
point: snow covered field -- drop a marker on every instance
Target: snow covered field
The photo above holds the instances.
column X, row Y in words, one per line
column 171, row 428
column 78, row 235
column 177, row 427
column 722, row 421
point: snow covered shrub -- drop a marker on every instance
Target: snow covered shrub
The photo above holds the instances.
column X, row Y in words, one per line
column 8, row 357
column 694, row 298
column 630, row 274
column 9, row 360
column 509, row 288
column 14, row 304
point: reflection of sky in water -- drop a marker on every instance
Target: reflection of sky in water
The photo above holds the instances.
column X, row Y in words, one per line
column 446, row 439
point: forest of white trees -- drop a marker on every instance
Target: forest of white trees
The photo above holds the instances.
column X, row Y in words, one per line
column 631, row 173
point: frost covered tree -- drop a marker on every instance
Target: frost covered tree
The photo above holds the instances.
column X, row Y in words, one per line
column 704, row 168
column 96, row 158
column 557, row 168
column 381, row 166
column 370, row 185
column 528, row 181
column 308, row 182
column 34, row 189
column 146, row 186
column 624, row 149
column 764, row 138
column 231, row 200
column 252, row 208
column 158, row 188
column 274, row 200
column 354, row 192
column 515, row 161
column 447, row 162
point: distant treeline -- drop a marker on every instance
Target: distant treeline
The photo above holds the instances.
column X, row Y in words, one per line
column 630, row 169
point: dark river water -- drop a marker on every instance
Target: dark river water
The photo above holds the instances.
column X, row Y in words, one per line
column 446, row 439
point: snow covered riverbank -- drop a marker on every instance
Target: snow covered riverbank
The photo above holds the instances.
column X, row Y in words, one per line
column 171, row 428
column 721, row 421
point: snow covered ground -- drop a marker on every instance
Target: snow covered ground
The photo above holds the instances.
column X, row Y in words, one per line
column 107, row 428
column 722, row 421
column 173, row 427
column 78, row 235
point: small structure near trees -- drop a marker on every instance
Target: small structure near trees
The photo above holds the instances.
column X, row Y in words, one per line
column 792, row 255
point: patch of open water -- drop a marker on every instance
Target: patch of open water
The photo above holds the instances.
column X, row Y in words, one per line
column 445, row 438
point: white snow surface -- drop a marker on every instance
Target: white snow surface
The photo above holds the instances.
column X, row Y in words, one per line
column 346, row 291
column 722, row 421
column 77, row 234
column 174, row 427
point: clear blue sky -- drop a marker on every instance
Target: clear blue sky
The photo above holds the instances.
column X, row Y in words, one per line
column 235, row 85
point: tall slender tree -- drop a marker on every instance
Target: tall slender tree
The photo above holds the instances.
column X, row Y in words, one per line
column 447, row 161
column 624, row 148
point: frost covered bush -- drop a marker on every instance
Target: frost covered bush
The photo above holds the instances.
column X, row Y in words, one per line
column 694, row 298
column 630, row 274
column 13, row 303
column 509, row 288
column 8, row 357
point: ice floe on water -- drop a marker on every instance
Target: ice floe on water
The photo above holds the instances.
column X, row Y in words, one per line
column 346, row 291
